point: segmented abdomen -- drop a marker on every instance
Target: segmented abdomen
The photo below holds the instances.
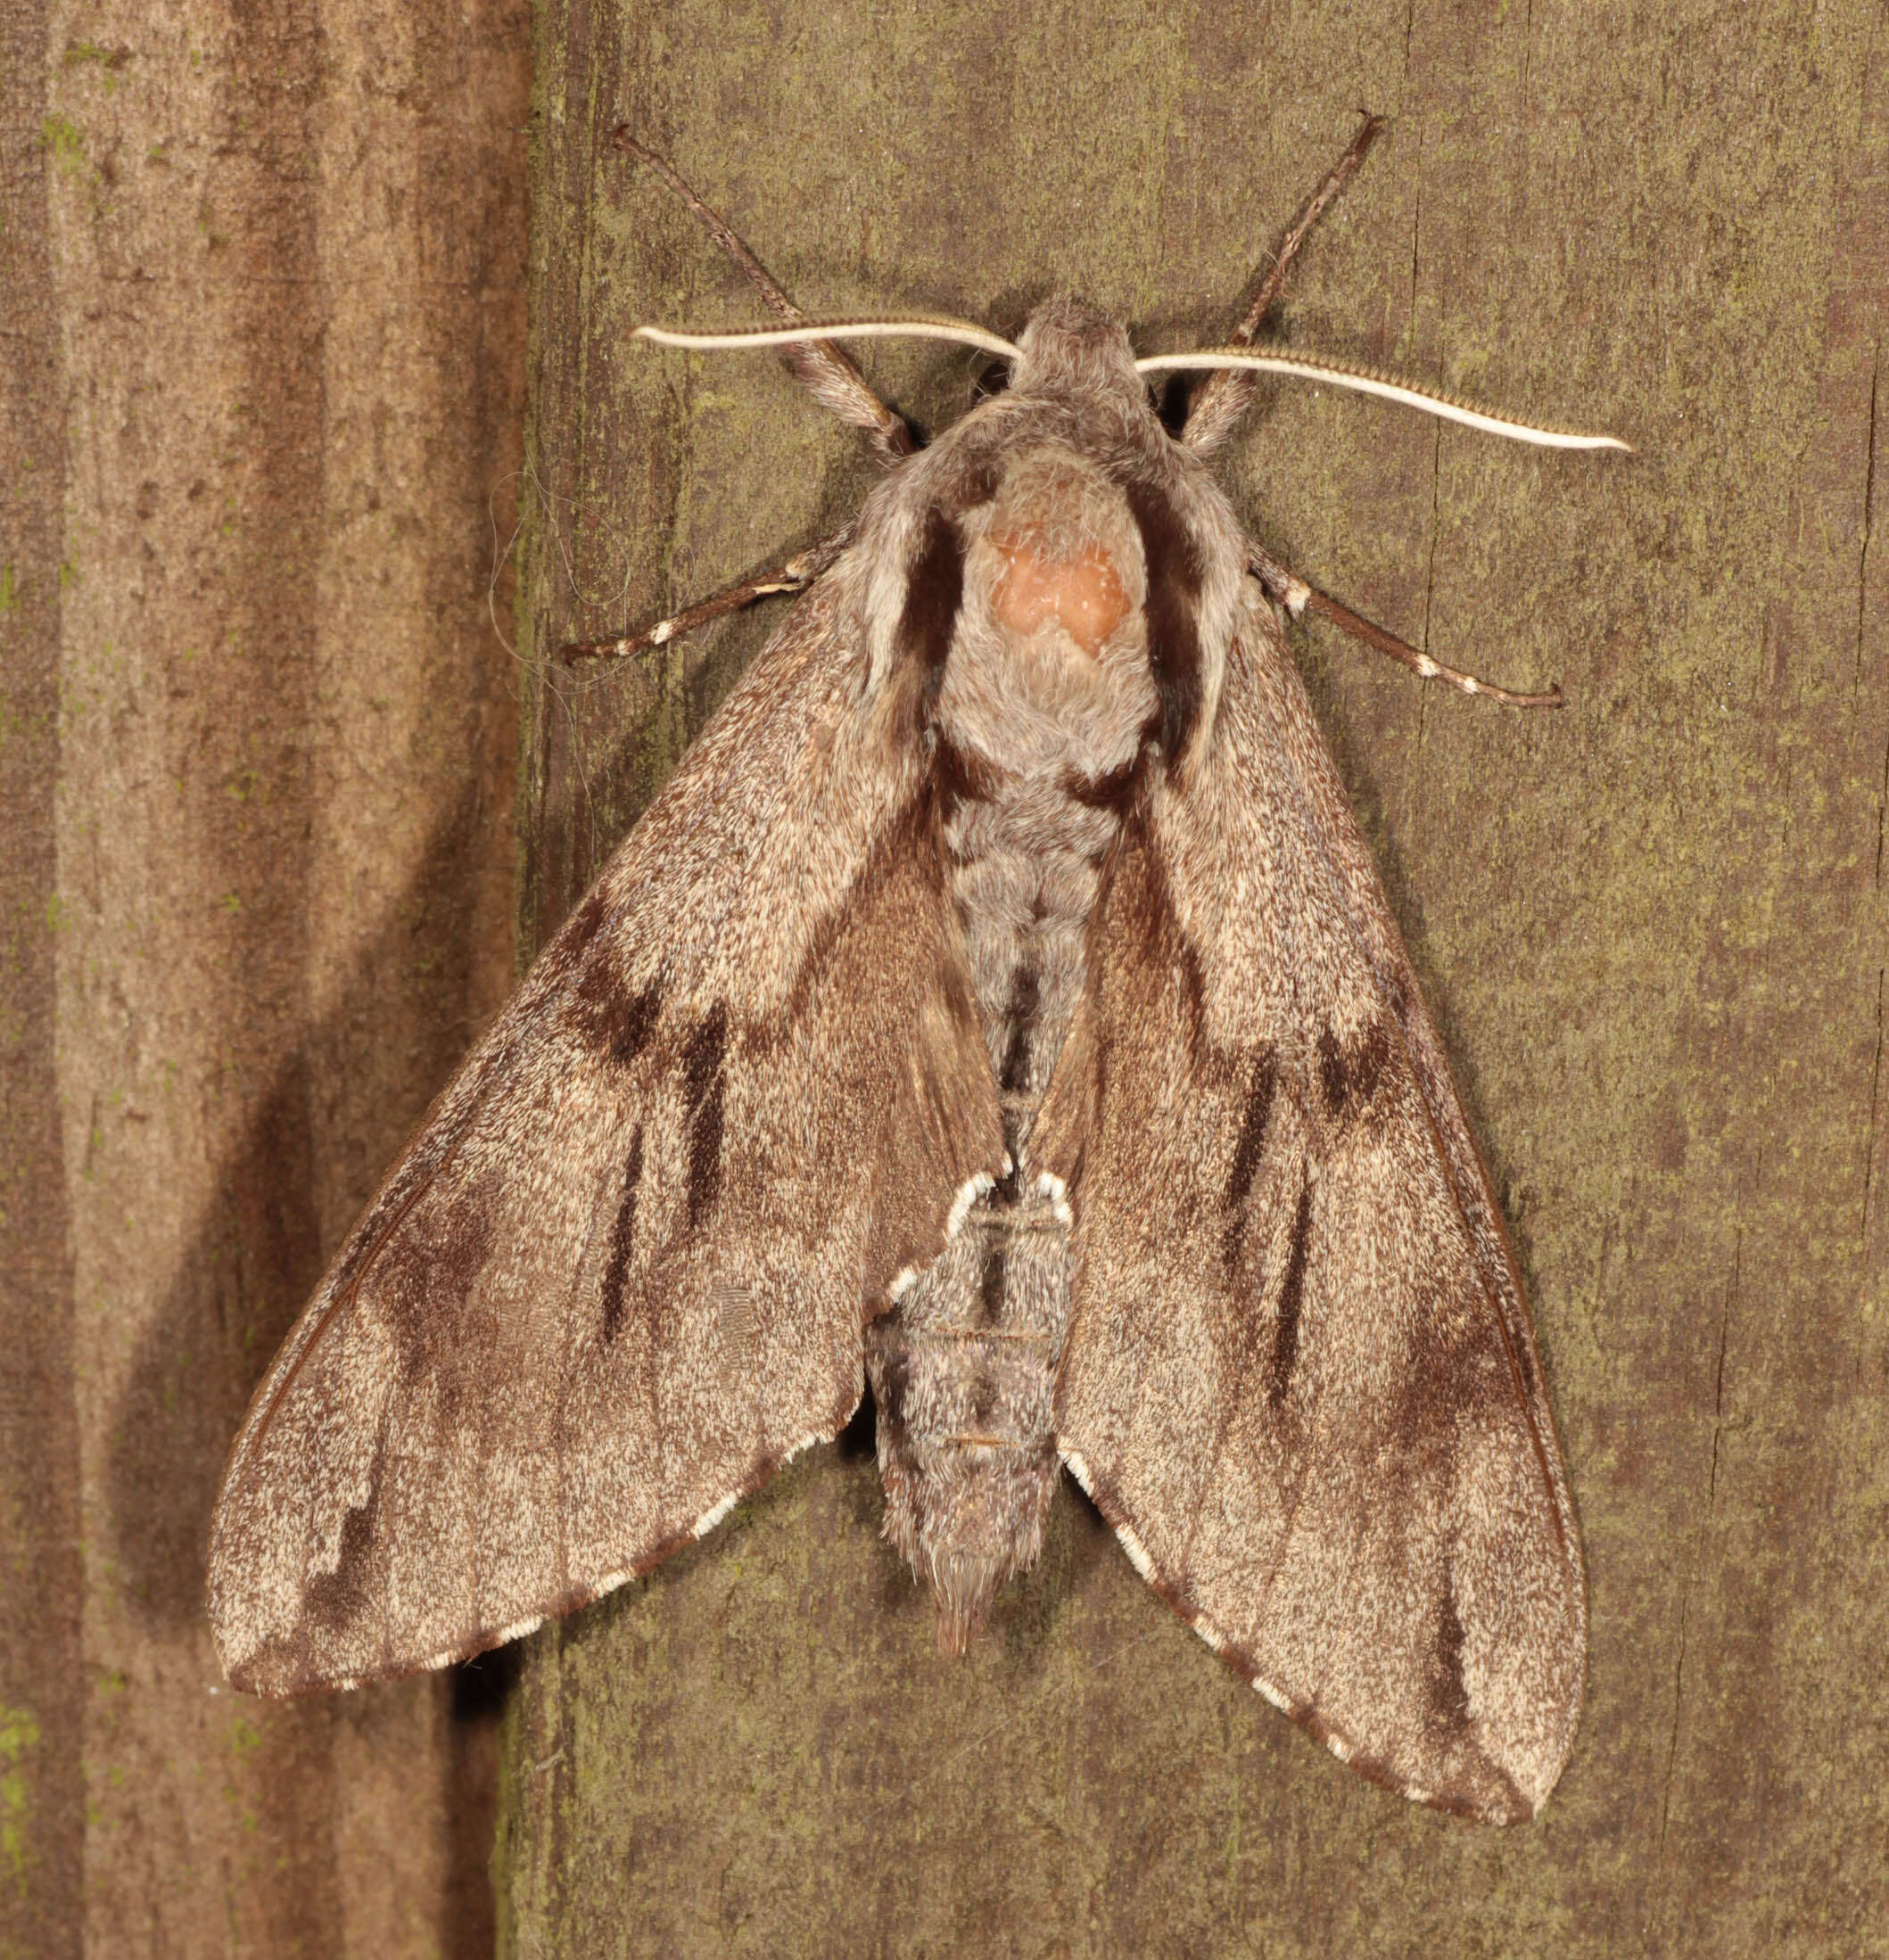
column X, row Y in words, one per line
column 963, row 1369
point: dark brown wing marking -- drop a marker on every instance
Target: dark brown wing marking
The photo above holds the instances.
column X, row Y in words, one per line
column 933, row 595
column 1348, row 1072
column 1292, row 1299
column 1253, row 1121
column 623, row 1236
column 1174, row 577
column 702, row 1057
column 618, row 1025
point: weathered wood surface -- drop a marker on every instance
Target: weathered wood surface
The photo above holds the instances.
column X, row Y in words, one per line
column 261, row 288
column 1651, row 927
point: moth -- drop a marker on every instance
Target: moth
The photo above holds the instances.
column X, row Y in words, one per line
column 997, row 1004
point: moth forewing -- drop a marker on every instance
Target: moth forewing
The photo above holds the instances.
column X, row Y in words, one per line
column 999, row 1002
column 509, row 1395
column 1301, row 1242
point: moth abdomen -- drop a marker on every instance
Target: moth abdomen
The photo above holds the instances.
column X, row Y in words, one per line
column 1019, row 1015
column 963, row 1373
column 1025, row 623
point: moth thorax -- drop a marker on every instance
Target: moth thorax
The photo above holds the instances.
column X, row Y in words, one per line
column 1050, row 665
column 1078, row 596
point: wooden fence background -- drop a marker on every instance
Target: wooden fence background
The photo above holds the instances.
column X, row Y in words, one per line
column 265, row 351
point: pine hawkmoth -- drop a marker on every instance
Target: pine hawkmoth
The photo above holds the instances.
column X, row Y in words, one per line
column 998, row 1003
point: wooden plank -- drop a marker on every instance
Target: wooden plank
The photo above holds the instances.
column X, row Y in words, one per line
column 259, row 889
column 1652, row 927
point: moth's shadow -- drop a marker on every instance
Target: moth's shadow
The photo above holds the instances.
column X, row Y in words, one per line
column 858, row 1442
column 247, row 1268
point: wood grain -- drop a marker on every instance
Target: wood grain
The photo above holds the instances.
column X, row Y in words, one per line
column 1651, row 925
column 263, row 306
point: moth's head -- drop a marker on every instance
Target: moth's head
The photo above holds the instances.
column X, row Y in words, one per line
column 1068, row 345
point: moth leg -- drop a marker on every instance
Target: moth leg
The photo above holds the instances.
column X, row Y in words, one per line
column 1223, row 397
column 795, row 576
column 1285, row 587
column 831, row 376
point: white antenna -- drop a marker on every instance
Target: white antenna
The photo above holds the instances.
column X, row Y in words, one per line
column 1367, row 381
column 937, row 327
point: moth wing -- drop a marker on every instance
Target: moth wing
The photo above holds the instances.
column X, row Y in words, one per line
column 1299, row 1379
column 622, row 1273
